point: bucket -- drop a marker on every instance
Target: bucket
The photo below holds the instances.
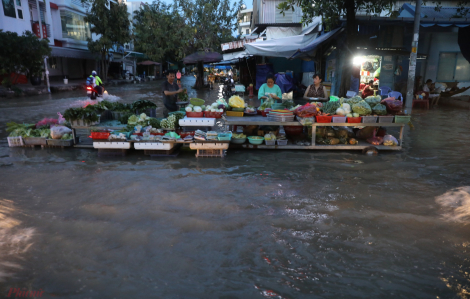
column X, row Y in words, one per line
column 66, row 81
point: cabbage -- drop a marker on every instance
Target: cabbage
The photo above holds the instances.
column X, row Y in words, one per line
column 188, row 109
column 236, row 102
column 340, row 111
column 346, row 107
column 355, row 115
column 373, row 100
column 362, row 108
column 197, row 109
column 354, row 100
column 133, row 119
column 379, row 109
column 349, row 115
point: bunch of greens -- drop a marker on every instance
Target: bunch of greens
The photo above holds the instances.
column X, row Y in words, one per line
column 125, row 117
column 267, row 104
column 354, row 100
column 379, row 109
column 141, row 105
column 89, row 114
column 183, row 96
column 331, row 107
column 154, row 122
column 19, row 130
column 373, row 100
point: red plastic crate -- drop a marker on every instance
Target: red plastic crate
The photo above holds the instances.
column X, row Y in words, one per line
column 157, row 134
column 138, row 134
column 354, row 120
column 293, row 130
column 324, row 119
column 195, row 114
column 100, row 135
column 213, row 114
column 184, row 134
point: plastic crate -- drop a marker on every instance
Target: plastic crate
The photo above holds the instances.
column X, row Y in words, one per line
column 281, row 142
column 60, row 142
column 112, row 145
column 293, row 130
column 100, row 135
column 270, row 142
column 153, row 145
column 354, row 120
column 402, row 119
column 386, row 119
column 213, row 114
column 235, row 113
column 224, row 136
column 34, row 141
column 194, row 114
column 15, row 141
column 238, row 109
column 210, row 153
column 369, row 119
column 324, row 119
column 339, row 119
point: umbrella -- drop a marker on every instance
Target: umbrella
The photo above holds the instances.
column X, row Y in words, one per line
column 148, row 63
column 203, row 56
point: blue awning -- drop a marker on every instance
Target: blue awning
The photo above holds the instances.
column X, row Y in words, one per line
column 444, row 17
column 316, row 43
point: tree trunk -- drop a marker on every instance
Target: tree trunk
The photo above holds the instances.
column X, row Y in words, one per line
column 349, row 49
column 200, row 76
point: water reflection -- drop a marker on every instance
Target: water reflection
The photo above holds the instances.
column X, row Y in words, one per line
column 456, row 204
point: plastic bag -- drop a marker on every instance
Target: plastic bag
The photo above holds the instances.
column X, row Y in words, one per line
column 58, row 131
column 61, row 118
column 346, row 107
column 374, row 140
column 307, row 110
column 389, row 140
column 287, row 96
column 373, row 100
column 379, row 109
column 334, row 98
column 393, row 106
column 236, row 102
column 362, row 108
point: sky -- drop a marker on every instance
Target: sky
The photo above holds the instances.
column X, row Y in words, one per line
column 248, row 3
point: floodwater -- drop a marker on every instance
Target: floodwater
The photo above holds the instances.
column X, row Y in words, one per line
column 256, row 224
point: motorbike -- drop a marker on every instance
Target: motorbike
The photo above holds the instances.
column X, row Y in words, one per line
column 94, row 92
column 229, row 87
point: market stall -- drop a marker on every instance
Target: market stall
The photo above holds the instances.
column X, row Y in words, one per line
column 212, row 129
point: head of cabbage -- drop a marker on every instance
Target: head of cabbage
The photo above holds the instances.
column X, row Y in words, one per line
column 362, row 108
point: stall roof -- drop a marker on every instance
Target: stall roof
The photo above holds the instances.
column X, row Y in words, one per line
column 312, row 46
column 235, row 55
column 72, row 53
column 227, row 62
column 280, row 47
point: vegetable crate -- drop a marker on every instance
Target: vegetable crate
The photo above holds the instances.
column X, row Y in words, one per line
column 59, row 142
column 211, row 153
column 31, row 141
column 15, row 141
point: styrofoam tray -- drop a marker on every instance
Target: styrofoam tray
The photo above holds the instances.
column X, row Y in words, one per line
column 214, row 145
column 115, row 144
column 197, row 121
column 154, row 145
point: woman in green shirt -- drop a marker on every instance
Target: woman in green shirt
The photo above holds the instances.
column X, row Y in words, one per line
column 269, row 89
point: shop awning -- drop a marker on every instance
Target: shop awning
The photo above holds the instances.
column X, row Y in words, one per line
column 235, row 55
column 308, row 49
column 132, row 54
column 148, row 62
column 72, row 53
column 280, row 47
column 446, row 16
column 227, row 62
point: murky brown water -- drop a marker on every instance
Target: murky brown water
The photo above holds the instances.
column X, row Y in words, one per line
column 281, row 224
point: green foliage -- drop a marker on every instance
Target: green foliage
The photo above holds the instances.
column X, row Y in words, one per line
column 89, row 113
column 24, row 54
column 110, row 21
column 142, row 105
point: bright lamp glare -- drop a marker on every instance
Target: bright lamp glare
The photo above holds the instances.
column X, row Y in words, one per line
column 358, row 60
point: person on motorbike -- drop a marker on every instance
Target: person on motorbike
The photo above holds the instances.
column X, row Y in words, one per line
column 98, row 83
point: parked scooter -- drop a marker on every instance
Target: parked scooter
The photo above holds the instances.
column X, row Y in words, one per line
column 229, row 87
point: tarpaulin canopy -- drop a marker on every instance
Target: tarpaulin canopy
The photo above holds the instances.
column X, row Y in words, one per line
column 202, row 56
column 312, row 46
column 281, row 47
column 148, row 62
column 286, row 83
column 236, row 55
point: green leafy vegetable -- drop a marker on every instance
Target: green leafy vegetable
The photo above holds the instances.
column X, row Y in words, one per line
column 362, row 108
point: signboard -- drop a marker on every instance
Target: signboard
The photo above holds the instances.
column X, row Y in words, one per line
column 388, row 67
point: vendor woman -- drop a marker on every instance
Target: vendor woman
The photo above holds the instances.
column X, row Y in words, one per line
column 368, row 90
column 269, row 89
column 316, row 91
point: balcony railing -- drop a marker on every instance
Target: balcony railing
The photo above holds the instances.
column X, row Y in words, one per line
column 35, row 28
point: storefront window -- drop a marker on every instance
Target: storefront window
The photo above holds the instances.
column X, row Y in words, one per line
column 74, row 26
column 9, row 8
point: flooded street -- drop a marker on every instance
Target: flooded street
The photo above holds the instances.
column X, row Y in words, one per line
column 256, row 224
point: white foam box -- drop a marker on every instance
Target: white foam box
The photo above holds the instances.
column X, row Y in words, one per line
column 113, row 144
column 197, row 122
column 215, row 145
column 154, row 145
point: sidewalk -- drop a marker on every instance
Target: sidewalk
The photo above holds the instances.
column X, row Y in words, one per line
column 459, row 102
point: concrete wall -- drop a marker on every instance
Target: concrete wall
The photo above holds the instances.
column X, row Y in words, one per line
column 14, row 24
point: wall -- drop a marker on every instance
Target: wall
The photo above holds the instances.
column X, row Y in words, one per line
column 282, row 64
column 14, row 24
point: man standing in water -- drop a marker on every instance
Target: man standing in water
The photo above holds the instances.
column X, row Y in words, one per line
column 170, row 91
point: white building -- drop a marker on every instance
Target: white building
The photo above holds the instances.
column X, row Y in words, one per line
column 244, row 23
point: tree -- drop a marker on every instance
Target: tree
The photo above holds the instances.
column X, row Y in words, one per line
column 24, row 54
column 212, row 23
column 332, row 10
column 110, row 22
column 160, row 31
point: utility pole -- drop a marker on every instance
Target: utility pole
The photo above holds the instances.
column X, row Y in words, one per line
column 46, row 71
column 413, row 56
